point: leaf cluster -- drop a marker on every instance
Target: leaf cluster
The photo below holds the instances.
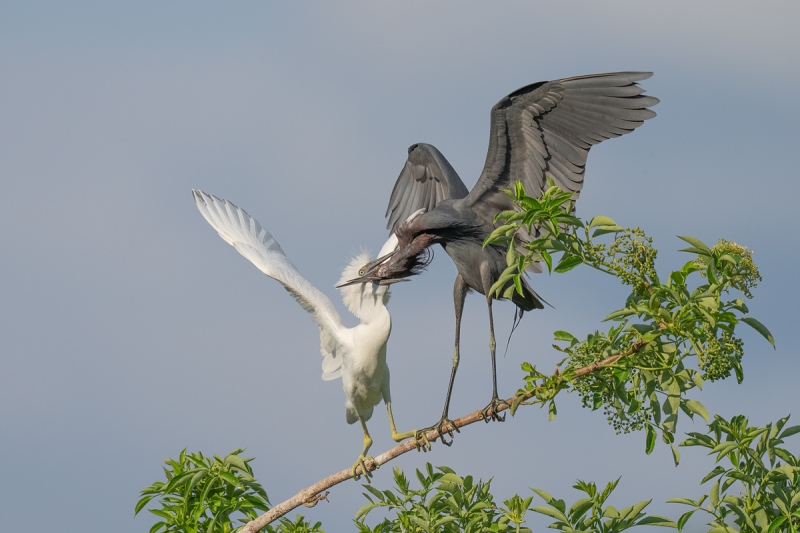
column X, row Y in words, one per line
column 590, row 514
column 448, row 503
column 205, row 494
column 751, row 460
column 444, row 502
column 669, row 336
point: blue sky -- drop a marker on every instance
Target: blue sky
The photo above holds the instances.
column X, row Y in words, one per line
column 131, row 331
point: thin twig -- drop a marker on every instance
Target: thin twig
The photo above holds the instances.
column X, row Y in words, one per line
column 310, row 495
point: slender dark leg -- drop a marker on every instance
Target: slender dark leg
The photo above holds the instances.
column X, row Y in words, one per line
column 490, row 412
column 445, row 425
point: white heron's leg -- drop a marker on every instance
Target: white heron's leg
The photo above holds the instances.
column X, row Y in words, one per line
column 421, row 441
column 363, row 457
column 420, row 436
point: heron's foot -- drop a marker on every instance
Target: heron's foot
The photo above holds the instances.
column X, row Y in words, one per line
column 443, row 427
column 420, row 438
column 361, row 461
column 492, row 411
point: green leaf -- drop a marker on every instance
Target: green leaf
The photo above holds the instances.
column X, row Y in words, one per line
column 650, row 441
column 142, row 503
column 230, row 478
column 714, row 473
column 697, row 408
column 685, row 518
column 551, row 512
column 697, row 243
column 776, row 523
column 723, row 448
column 551, row 411
column 788, row 432
column 236, row 461
column 601, row 221
column 563, row 336
column 548, row 259
column 683, row 501
column 606, row 229
column 451, row 478
column 759, row 327
column 543, row 495
column 656, row 520
column 518, row 285
column 676, row 456
column 199, row 475
column 715, row 495
column 621, row 313
column 579, row 508
column 568, row 263
column 493, row 236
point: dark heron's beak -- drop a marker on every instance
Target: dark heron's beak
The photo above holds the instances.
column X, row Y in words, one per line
column 369, row 277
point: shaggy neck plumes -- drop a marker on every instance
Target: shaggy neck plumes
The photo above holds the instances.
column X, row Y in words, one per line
column 364, row 300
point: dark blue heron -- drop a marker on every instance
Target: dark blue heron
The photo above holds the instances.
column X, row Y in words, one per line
column 541, row 131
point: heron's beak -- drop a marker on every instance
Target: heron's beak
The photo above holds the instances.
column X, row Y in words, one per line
column 392, row 281
column 372, row 265
column 369, row 277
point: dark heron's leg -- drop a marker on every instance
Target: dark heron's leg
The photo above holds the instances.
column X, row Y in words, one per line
column 445, row 425
column 490, row 412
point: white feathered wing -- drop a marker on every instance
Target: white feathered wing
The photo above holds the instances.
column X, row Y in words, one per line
column 250, row 239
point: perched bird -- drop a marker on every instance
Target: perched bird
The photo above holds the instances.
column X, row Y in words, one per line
column 358, row 354
column 541, row 131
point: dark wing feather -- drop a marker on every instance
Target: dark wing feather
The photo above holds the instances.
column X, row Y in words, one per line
column 427, row 178
column 547, row 128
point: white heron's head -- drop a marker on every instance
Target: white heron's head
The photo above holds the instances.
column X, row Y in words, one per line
column 362, row 297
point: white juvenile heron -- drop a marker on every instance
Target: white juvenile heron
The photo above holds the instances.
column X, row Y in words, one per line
column 356, row 354
column 543, row 130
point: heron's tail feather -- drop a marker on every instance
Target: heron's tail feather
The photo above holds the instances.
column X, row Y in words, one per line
column 528, row 300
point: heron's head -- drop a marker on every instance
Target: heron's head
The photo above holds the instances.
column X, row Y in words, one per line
column 360, row 291
column 398, row 265
column 405, row 254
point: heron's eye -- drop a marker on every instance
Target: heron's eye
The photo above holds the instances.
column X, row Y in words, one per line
column 362, row 271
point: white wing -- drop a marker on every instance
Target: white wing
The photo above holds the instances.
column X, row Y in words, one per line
column 244, row 233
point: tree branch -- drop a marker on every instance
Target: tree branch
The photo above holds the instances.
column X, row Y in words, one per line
column 310, row 496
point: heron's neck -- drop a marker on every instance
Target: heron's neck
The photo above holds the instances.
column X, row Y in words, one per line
column 372, row 310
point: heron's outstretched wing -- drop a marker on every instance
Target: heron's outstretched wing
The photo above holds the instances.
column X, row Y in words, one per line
column 244, row 233
column 547, row 129
column 426, row 179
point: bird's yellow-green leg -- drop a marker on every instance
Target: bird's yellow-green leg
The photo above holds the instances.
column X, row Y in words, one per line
column 363, row 456
column 420, row 437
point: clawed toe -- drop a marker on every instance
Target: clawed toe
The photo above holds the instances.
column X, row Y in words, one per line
column 443, row 427
column 361, row 461
column 491, row 411
column 421, row 440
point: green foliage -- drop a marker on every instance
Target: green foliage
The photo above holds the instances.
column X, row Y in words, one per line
column 444, row 502
column 590, row 514
column 201, row 494
column 448, row 503
column 752, row 461
column 668, row 338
